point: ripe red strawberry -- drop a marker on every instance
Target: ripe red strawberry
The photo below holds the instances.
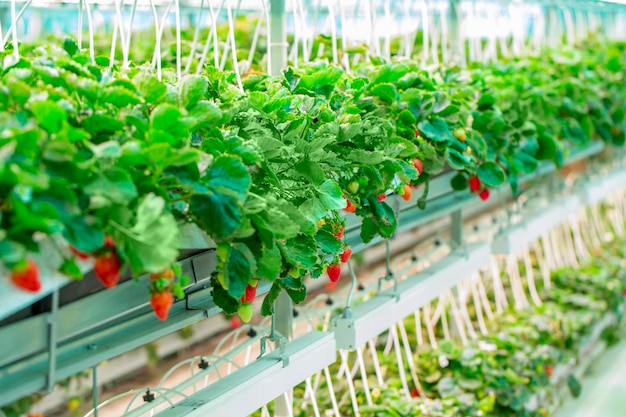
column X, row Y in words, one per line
column 419, row 165
column 107, row 269
column 339, row 234
column 414, row 392
column 350, row 208
column 345, row 255
column 408, row 192
column 549, row 370
column 329, row 286
column 235, row 323
column 382, row 197
column 79, row 254
column 484, row 194
column 25, row 275
column 250, row 294
column 334, row 272
column 417, row 133
column 161, row 303
column 474, row 184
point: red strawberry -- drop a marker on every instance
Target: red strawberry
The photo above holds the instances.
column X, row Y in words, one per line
column 484, row 194
column 107, row 269
column 339, row 234
column 408, row 192
column 381, row 197
column 350, row 208
column 79, row 254
column 417, row 133
column 235, row 323
column 334, row 272
column 161, row 303
column 329, row 286
column 549, row 370
column 25, row 275
column 250, row 294
column 474, row 184
column 419, row 165
column 414, row 392
column 345, row 255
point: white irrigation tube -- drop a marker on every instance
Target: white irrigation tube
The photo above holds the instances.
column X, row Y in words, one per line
column 196, row 35
column 344, row 369
column 408, row 352
column 478, row 307
column 364, row 381
column 482, row 292
column 377, row 371
column 129, row 35
column 333, row 32
column 456, row 314
column 466, row 317
column 530, row 277
column 418, row 328
column 401, row 371
column 429, row 327
column 212, row 35
column 157, row 55
column 425, row 31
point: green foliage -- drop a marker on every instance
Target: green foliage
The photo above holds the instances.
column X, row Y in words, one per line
column 88, row 152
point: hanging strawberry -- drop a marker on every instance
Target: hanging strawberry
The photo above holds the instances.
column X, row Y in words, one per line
column 25, row 275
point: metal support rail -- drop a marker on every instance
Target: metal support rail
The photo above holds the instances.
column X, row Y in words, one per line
column 109, row 323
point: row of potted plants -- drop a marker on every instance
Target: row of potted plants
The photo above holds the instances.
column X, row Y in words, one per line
column 510, row 371
column 113, row 164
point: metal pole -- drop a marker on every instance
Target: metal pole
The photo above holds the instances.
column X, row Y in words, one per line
column 94, row 388
column 283, row 313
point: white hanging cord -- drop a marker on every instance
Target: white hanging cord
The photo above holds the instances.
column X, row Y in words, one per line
column 406, row 20
column 333, row 31
column 465, row 313
column 372, row 18
column 377, row 371
column 366, row 387
column 498, row 288
column 579, row 244
column 425, row 20
column 401, row 371
column 231, row 23
column 418, row 328
column 518, row 294
column 298, row 27
column 440, row 315
column 129, row 34
column 556, row 250
column 530, row 277
column 196, row 36
column 429, row 327
column 482, row 326
column 388, row 19
column 444, row 31
column 458, row 321
column 331, row 391
column 345, row 58
column 408, row 352
column 309, row 388
column 542, row 263
column 305, row 39
column 346, row 371
column 482, row 292
column 492, row 45
column 227, row 44
column 12, row 32
column 569, row 244
column 212, row 36
column 156, row 59
column 119, row 26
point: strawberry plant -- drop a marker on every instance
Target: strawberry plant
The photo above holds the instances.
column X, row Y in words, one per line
column 89, row 152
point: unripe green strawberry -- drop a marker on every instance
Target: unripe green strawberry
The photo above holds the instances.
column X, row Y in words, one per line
column 353, row 187
column 245, row 312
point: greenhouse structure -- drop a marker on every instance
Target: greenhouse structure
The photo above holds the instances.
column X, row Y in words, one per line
column 324, row 208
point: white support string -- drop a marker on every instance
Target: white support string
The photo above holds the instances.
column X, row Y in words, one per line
column 530, row 277
column 408, row 352
column 345, row 369
column 429, row 327
column 418, row 328
column 482, row 292
column 456, row 315
column 377, row 371
column 366, row 388
column 233, row 43
column 482, row 326
column 401, row 371
column 333, row 32
column 500, row 295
